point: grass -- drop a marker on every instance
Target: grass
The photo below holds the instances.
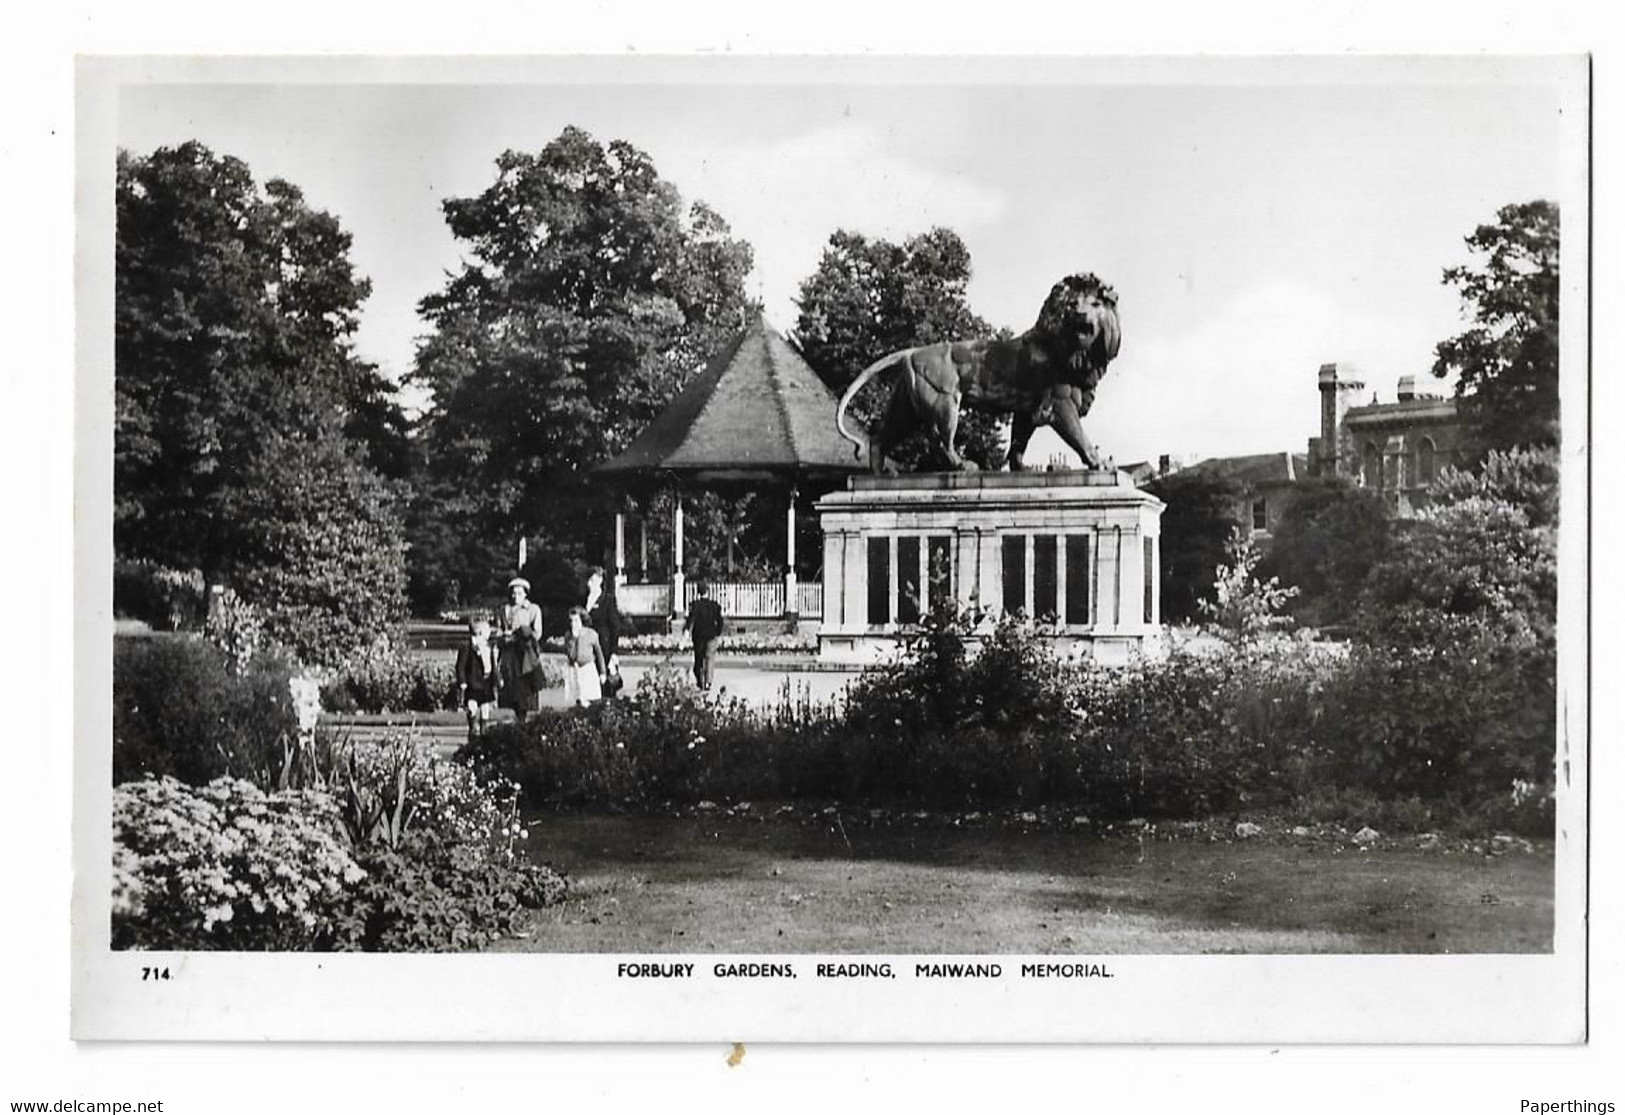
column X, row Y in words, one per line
column 791, row 884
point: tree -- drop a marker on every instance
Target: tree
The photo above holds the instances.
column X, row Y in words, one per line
column 1196, row 527
column 234, row 313
column 243, row 417
column 1328, row 539
column 1476, row 558
column 1244, row 607
column 1508, row 360
column 318, row 546
column 869, row 297
column 589, row 298
column 1526, row 478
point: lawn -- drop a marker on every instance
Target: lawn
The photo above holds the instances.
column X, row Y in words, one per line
column 806, row 882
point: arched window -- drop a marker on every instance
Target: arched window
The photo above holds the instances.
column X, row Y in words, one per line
column 1424, row 461
column 1371, row 466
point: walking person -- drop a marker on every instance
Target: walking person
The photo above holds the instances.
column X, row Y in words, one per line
column 584, row 665
column 520, row 664
column 477, row 680
column 604, row 617
column 704, row 626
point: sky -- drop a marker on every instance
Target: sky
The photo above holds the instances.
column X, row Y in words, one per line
column 1257, row 218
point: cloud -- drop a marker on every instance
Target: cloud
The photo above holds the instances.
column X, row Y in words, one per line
column 786, row 197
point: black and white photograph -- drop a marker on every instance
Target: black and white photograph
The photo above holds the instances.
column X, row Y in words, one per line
column 849, row 548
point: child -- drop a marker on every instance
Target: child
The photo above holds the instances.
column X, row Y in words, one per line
column 584, row 665
column 477, row 677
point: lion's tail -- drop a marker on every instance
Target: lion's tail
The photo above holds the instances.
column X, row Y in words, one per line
column 851, row 393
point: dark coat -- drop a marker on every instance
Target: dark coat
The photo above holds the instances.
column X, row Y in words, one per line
column 606, row 619
column 470, row 673
column 704, row 619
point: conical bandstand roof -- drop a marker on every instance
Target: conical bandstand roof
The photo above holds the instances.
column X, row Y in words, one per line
column 756, row 412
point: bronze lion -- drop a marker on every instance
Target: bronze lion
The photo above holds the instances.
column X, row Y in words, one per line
column 1045, row 377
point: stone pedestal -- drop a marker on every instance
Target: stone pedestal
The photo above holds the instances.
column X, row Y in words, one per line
column 1074, row 552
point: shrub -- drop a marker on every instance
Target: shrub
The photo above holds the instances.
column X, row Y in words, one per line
column 441, row 851
column 226, row 866
column 1263, row 722
column 181, row 709
column 315, row 541
column 428, row 895
column 667, row 742
column 390, row 787
column 1459, row 715
column 1329, row 537
column 166, row 599
column 1243, row 607
column 236, row 627
column 402, row 851
column 1199, row 732
column 384, row 679
column 1480, row 558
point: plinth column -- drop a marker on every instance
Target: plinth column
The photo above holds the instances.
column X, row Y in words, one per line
column 1132, row 590
column 966, row 574
column 834, row 580
column 855, row 584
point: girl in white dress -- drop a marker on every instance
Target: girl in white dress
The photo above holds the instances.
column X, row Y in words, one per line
column 584, row 664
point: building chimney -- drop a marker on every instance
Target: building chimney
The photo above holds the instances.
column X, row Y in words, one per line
column 1162, row 465
column 1339, row 385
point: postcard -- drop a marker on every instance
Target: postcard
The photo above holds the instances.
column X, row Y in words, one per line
column 842, row 549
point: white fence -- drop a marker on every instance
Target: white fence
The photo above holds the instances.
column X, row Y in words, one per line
column 739, row 599
column 745, row 599
column 644, row 600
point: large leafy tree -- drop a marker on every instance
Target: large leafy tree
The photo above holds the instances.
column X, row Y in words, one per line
column 1485, row 549
column 869, row 297
column 589, row 295
column 1197, row 524
column 235, row 309
column 1507, row 360
column 1326, row 543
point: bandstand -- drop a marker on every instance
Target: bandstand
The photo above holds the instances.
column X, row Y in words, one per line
column 757, row 420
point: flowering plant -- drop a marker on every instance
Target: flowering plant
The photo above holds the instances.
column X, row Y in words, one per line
column 400, row 784
column 236, row 627
column 225, row 866
column 382, row 678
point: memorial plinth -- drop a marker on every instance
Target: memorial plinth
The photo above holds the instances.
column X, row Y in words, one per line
column 1075, row 552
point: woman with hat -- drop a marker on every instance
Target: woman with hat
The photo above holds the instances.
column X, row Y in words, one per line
column 521, row 639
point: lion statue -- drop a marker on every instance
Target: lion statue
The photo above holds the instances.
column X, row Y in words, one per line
column 1045, row 377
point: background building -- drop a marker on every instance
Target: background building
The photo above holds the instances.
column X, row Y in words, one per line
column 1396, row 448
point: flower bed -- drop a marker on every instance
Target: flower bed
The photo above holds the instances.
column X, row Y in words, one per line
column 388, row 848
column 738, row 642
column 227, row 866
column 1263, row 722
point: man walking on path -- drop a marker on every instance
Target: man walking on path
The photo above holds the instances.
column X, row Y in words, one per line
column 704, row 626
